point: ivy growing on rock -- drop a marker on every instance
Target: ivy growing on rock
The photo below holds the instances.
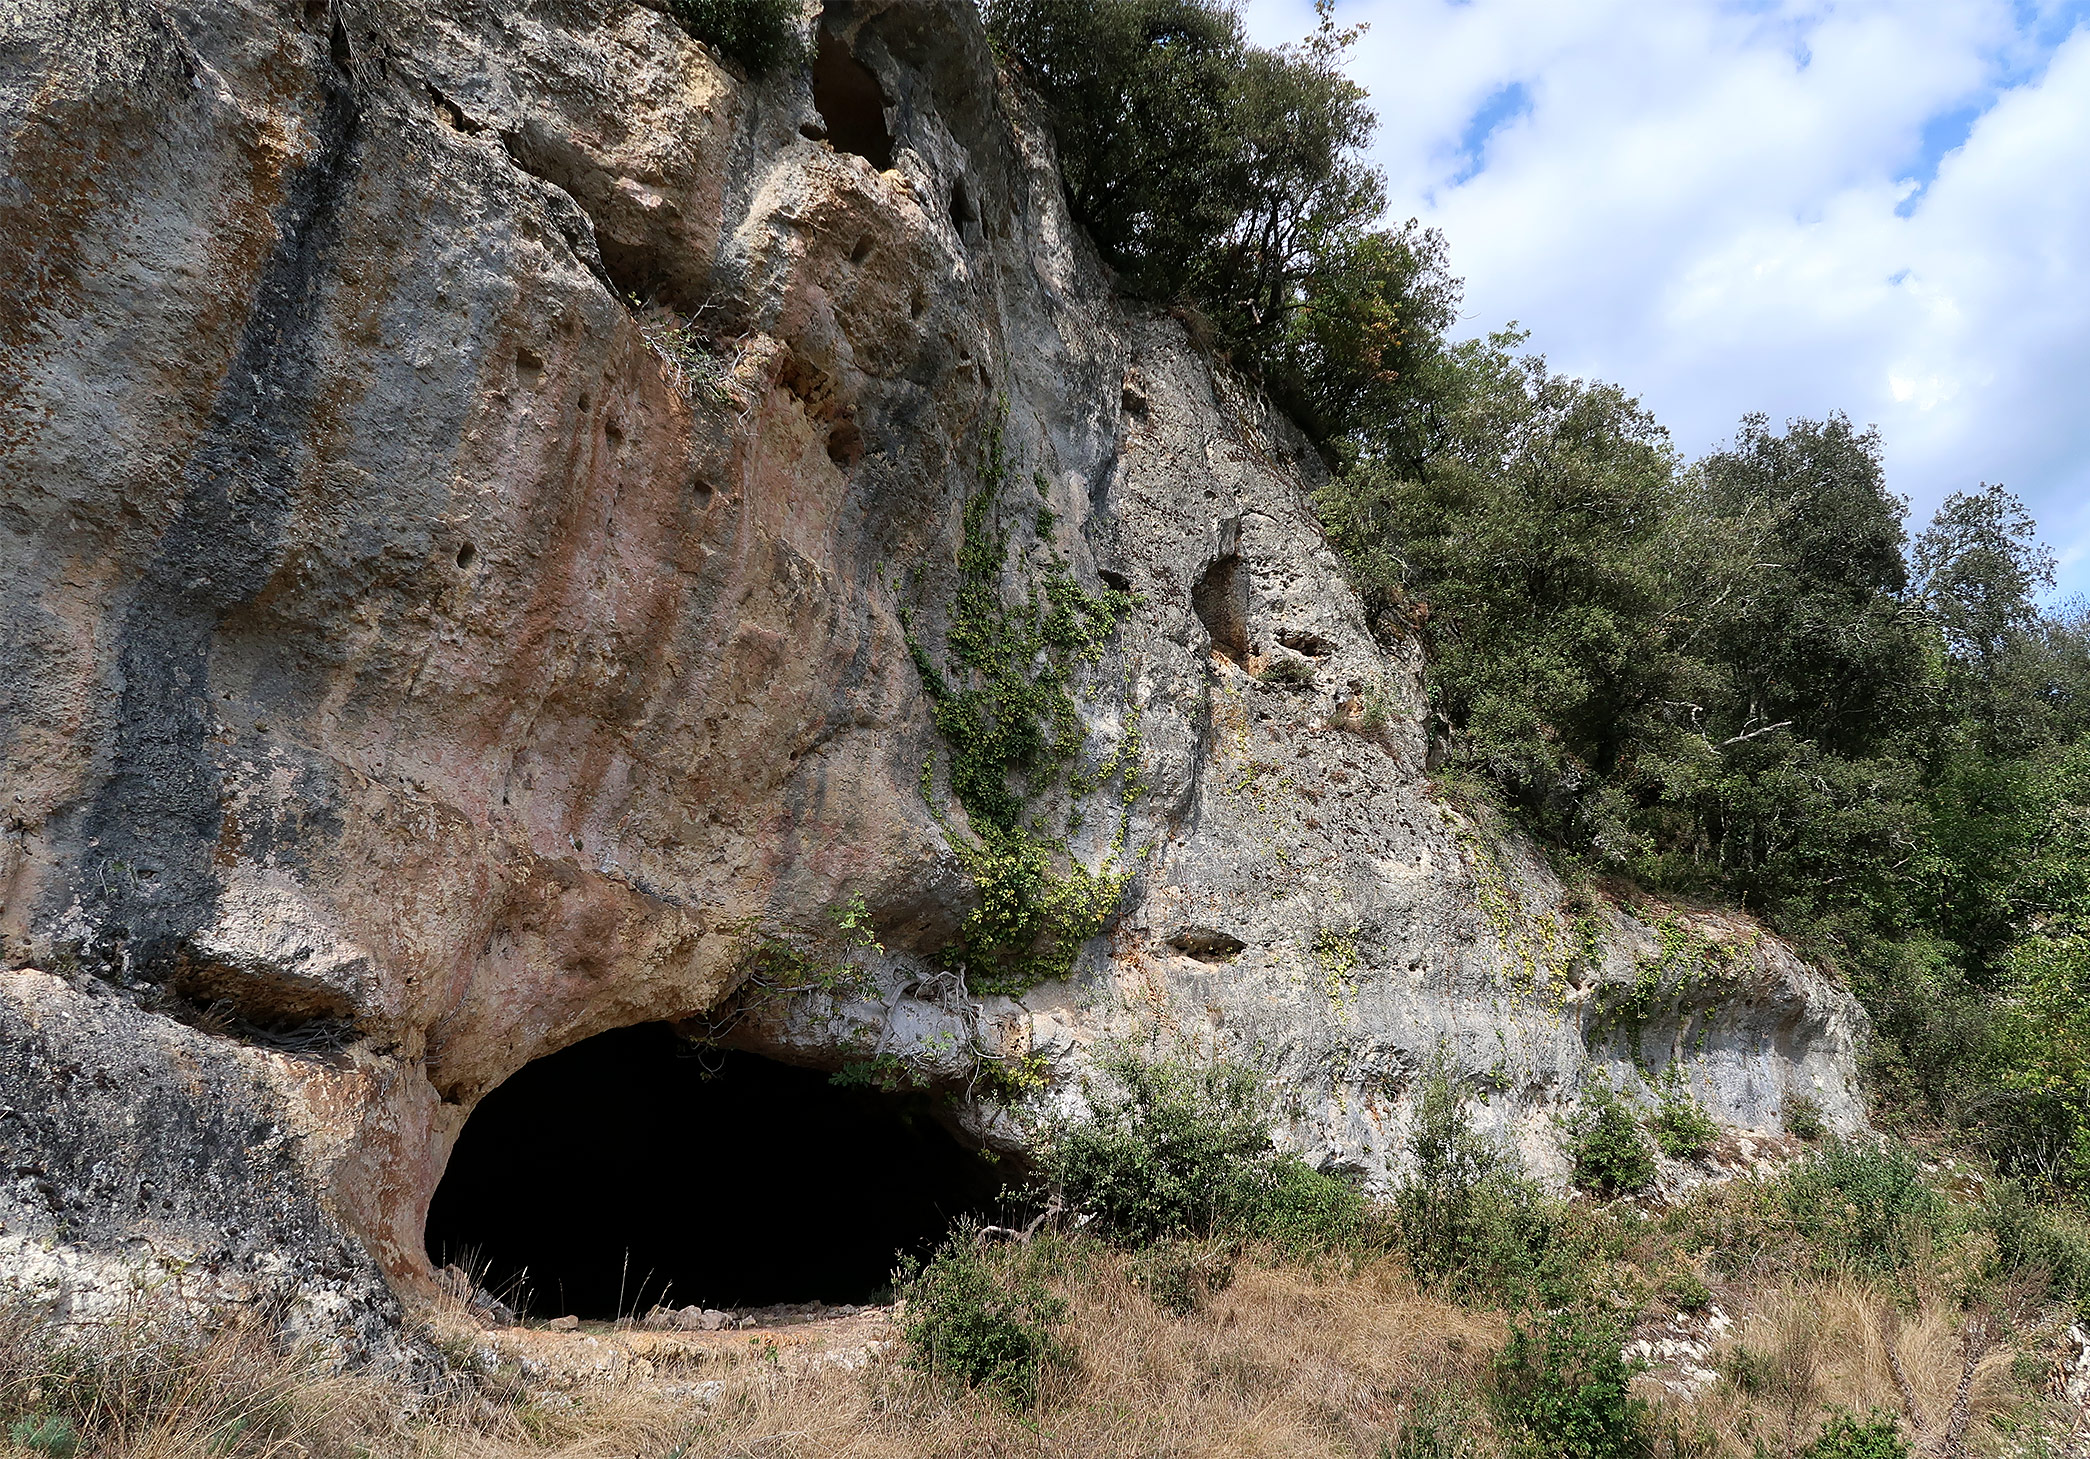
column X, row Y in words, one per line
column 1002, row 697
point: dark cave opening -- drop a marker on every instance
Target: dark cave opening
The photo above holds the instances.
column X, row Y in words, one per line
column 849, row 99
column 633, row 1169
column 1220, row 600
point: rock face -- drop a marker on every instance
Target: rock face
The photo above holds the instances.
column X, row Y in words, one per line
column 469, row 473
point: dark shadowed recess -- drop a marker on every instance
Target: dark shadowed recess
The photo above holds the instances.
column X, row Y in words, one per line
column 632, row 1169
column 851, row 102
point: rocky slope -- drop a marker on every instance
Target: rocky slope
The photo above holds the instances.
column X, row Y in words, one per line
column 469, row 473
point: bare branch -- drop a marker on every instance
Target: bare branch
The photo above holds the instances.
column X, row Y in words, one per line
column 1752, row 734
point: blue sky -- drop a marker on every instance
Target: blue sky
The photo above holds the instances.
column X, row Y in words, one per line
column 1877, row 206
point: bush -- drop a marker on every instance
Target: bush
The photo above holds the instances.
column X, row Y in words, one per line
column 1611, row 1155
column 1163, row 1149
column 1686, row 1291
column 976, row 1320
column 1301, row 1210
column 1181, row 1275
column 1467, row 1217
column 1845, row 1438
column 761, row 35
column 1169, row 1149
column 1442, row 1424
column 1563, row 1390
column 2046, row 1240
column 1682, row 1127
column 1802, row 1116
column 1866, row 1209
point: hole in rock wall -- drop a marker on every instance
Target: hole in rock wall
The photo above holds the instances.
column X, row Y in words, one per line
column 1220, row 600
column 850, row 103
column 631, row 1169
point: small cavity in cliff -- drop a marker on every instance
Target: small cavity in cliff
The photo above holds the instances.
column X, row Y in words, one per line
column 633, row 1169
column 851, row 103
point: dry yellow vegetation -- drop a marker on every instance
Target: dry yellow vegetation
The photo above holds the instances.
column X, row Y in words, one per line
column 1289, row 1361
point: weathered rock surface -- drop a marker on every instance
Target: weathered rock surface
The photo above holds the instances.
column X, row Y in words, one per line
column 415, row 658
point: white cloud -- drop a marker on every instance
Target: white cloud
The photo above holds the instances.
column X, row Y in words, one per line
column 1784, row 206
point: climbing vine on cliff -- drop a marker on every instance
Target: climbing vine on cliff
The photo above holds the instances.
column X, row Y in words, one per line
column 1002, row 697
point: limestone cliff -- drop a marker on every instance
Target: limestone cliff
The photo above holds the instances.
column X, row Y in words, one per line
column 470, row 472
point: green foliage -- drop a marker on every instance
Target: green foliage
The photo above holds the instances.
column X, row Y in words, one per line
column 53, row 1435
column 1467, row 1218
column 1162, row 1149
column 1686, row 1291
column 1687, row 972
column 1740, row 678
column 1300, row 1210
column 1844, row 1437
column 1197, row 162
column 1863, row 1208
column 1003, row 701
column 1611, row 1154
column 1681, row 1126
column 1548, row 530
column 2042, row 1239
column 1563, row 1390
column 1802, row 1116
column 1443, row 1423
column 1169, row 1149
column 980, row 1320
column 1231, row 177
column 1283, row 669
column 887, row 1073
column 762, row 35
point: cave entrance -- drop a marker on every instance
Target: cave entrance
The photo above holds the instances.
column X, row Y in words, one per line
column 849, row 99
column 1220, row 600
column 632, row 1169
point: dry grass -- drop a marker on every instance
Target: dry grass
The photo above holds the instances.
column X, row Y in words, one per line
column 1282, row 1363
column 1285, row 1363
column 145, row 1387
column 1816, row 1347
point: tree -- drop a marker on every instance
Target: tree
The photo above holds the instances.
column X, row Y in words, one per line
column 1822, row 640
column 1305, row 192
column 1360, row 359
column 1143, row 96
column 1561, row 571
column 1232, row 178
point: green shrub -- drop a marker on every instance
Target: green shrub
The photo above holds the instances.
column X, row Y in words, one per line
column 1286, row 669
column 1170, row 1149
column 1466, row 1217
column 1682, row 1127
column 1443, row 1423
column 761, row 35
column 1301, row 1210
column 1611, row 1154
column 977, row 1320
column 1866, row 1209
column 1562, row 1389
column 1844, row 1437
column 1686, row 1291
column 52, row 1435
column 1162, row 1149
column 1181, row 1275
column 1803, row 1118
column 2050, row 1241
